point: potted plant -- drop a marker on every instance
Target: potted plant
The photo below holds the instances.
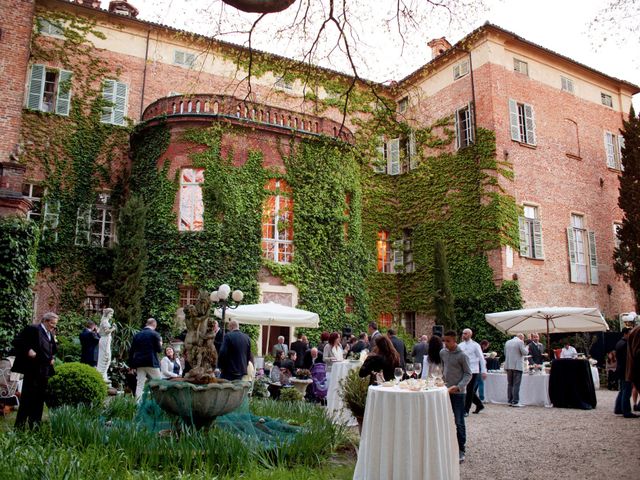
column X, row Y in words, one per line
column 353, row 391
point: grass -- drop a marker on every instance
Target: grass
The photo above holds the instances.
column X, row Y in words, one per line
column 106, row 443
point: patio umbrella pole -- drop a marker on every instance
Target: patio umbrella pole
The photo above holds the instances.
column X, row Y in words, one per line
column 548, row 340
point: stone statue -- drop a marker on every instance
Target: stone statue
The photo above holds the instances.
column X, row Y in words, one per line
column 199, row 348
column 104, row 346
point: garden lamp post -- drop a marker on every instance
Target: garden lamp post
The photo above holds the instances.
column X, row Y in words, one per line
column 220, row 298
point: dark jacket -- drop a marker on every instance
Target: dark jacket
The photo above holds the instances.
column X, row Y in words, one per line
column 145, row 346
column 300, row 348
column 234, row 355
column 536, row 352
column 376, row 363
column 359, row 346
column 217, row 341
column 34, row 338
column 307, row 362
column 420, row 349
column 89, row 342
column 621, row 358
column 402, row 350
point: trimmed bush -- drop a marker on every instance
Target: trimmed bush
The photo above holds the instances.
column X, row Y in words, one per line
column 290, row 394
column 76, row 383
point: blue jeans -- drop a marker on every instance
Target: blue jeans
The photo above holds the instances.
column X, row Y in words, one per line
column 623, row 400
column 480, row 388
column 457, row 405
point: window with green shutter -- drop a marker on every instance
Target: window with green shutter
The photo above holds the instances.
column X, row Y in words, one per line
column 115, row 96
column 49, row 90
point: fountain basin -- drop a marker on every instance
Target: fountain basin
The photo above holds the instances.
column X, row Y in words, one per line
column 198, row 405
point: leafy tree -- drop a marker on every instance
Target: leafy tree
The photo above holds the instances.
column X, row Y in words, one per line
column 443, row 298
column 128, row 272
column 627, row 256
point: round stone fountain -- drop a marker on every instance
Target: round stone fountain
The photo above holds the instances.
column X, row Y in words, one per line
column 199, row 397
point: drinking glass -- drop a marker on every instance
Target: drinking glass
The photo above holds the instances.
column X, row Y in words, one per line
column 409, row 367
column 417, row 367
column 397, row 373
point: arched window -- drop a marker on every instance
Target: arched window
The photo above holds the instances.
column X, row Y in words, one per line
column 277, row 223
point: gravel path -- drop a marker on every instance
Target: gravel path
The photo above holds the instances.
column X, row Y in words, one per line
column 535, row 443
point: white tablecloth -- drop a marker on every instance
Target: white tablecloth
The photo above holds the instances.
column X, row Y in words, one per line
column 596, row 377
column 337, row 410
column 407, row 436
column 534, row 389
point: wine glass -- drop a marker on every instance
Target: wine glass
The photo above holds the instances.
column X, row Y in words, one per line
column 409, row 368
column 417, row 367
column 398, row 373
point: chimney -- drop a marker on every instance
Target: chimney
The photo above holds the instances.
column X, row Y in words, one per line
column 121, row 7
column 89, row 3
column 438, row 46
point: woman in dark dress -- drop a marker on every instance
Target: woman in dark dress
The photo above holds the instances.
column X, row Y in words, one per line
column 384, row 358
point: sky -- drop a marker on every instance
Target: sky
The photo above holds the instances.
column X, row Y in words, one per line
column 563, row 26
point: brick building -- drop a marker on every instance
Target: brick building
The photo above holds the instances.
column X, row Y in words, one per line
column 556, row 122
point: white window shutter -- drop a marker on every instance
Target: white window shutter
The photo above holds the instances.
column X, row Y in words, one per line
column 593, row 258
column 530, row 124
column 513, row 119
column 573, row 268
column 379, row 164
column 524, row 244
column 83, row 225
column 457, row 123
column 620, row 147
column 36, row 87
column 393, row 156
column 472, row 127
column 108, row 93
column 120, row 107
column 398, row 255
column 537, row 239
column 609, row 150
column 63, row 97
column 413, row 154
column 456, row 72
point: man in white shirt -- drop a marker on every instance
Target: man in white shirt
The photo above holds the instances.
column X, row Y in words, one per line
column 568, row 352
column 478, row 366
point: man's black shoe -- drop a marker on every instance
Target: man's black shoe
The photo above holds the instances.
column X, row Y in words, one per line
column 631, row 415
column 478, row 409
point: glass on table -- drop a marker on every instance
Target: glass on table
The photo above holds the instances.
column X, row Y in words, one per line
column 409, row 367
column 398, row 373
column 417, row 367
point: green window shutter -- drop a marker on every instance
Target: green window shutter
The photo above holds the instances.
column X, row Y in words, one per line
column 63, row 97
column 36, row 87
column 524, row 244
column 393, row 156
column 530, row 124
column 593, row 258
column 573, row 268
column 413, row 154
column 513, row 119
column 538, row 248
column 108, row 93
column 120, row 107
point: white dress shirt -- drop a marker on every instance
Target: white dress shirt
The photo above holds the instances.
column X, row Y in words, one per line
column 568, row 352
column 473, row 350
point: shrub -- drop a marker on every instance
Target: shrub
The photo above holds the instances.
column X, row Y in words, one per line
column 69, row 349
column 354, row 392
column 290, row 395
column 75, row 384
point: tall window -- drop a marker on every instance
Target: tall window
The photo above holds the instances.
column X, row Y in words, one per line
column 408, row 322
column 95, row 224
column 385, row 320
column 464, row 126
column 613, row 145
column 397, row 155
column 583, row 259
column 277, row 223
column 403, row 104
column 115, row 96
column 385, row 252
column 191, row 205
column 531, row 233
column 523, row 127
column 49, row 90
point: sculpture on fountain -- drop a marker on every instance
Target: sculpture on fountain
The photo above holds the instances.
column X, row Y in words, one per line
column 199, row 348
column 104, row 346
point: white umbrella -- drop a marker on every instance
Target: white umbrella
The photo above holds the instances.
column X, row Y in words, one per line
column 551, row 319
column 271, row 314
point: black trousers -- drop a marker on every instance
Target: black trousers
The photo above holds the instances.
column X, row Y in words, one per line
column 34, row 391
column 472, row 396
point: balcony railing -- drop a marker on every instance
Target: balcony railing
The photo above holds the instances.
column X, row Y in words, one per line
column 233, row 108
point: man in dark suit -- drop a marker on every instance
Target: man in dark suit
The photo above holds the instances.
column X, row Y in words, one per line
column 143, row 355
column 311, row 357
column 399, row 345
column 89, row 340
column 235, row 353
column 300, row 346
column 361, row 344
column 420, row 349
column 35, row 348
column 373, row 333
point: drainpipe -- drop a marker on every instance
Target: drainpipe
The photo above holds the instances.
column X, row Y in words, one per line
column 144, row 74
